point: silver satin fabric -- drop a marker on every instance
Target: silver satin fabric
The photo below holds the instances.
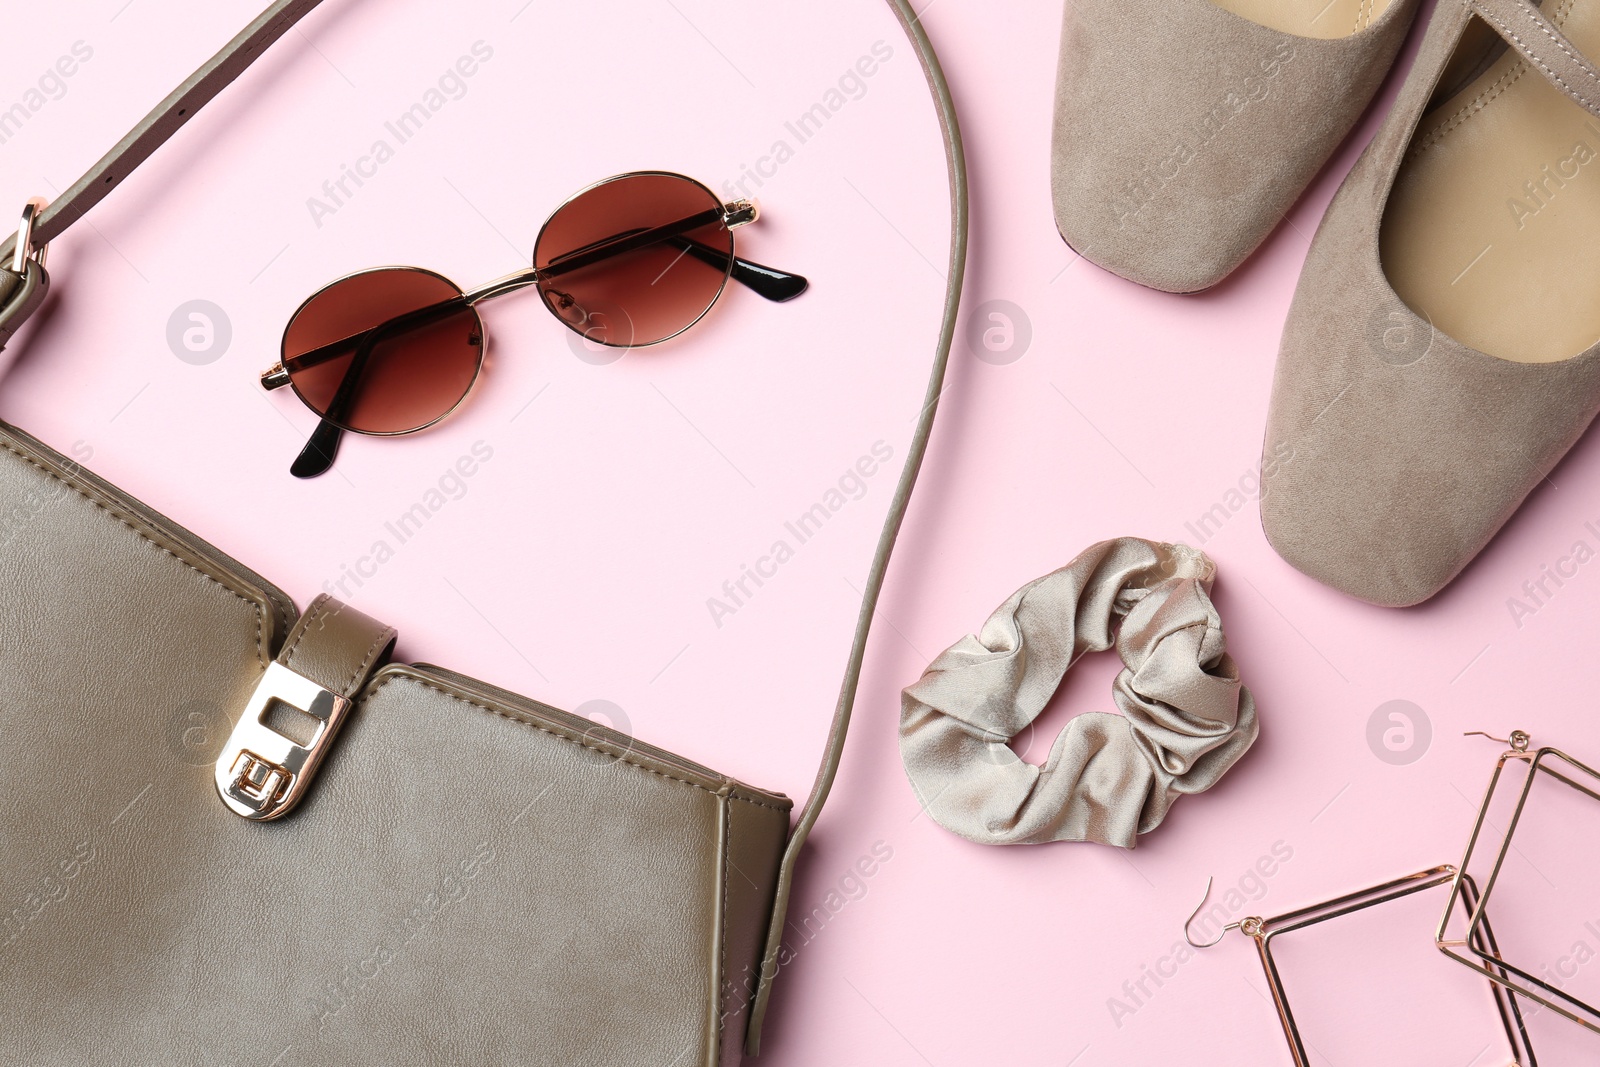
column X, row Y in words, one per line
column 1186, row 718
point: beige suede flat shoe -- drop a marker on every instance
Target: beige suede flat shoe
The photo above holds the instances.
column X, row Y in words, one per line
column 1441, row 352
column 1185, row 129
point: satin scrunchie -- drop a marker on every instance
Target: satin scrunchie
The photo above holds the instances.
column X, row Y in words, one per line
column 1186, row 718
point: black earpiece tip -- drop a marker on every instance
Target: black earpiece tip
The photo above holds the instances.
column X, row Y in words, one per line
column 318, row 455
column 789, row 287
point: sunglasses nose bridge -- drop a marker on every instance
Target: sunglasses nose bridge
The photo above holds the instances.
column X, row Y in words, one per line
column 508, row 283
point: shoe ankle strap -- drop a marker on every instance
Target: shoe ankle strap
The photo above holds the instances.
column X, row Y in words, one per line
column 1526, row 29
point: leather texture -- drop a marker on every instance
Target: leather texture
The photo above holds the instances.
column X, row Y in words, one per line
column 473, row 879
column 1410, row 449
column 1185, row 717
column 165, row 119
column 1184, row 132
column 20, row 296
column 336, row 646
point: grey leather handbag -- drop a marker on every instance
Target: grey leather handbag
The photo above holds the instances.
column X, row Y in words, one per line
column 192, row 874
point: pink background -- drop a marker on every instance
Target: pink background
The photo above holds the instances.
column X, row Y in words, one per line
column 575, row 565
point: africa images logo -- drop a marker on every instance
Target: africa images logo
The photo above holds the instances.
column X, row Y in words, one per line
column 450, row 85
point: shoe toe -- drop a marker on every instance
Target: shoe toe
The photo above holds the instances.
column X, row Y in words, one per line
column 1393, row 454
column 1183, row 134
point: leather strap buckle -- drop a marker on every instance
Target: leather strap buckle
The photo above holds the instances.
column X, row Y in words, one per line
column 24, row 249
column 23, row 281
column 262, row 773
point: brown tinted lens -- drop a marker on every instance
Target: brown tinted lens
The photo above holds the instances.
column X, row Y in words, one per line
column 400, row 344
column 639, row 294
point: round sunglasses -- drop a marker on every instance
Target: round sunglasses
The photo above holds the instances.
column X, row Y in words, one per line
column 630, row 261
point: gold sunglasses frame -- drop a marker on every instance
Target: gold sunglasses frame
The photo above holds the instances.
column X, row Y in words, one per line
column 735, row 214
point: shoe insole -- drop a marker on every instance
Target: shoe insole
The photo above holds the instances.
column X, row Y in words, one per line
column 1328, row 19
column 1492, row 230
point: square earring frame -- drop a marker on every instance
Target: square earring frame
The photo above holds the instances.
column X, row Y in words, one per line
column 1465, row 916
column 1265, row 931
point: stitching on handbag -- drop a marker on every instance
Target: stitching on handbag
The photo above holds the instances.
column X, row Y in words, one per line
column 261, row 619
column 373, row 690
column 373, row 653
column 300, row 633
column 722, row 965
column 1490, row 92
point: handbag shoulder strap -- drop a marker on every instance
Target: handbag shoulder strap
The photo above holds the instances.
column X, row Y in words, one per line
column 955, row 160
column 181, row 105
column 165, row 119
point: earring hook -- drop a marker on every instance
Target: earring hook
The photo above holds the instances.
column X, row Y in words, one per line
column 1195, row 914
column 1518, row 740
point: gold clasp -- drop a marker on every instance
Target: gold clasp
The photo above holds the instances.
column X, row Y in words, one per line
column 261, row 773
column 257, row 782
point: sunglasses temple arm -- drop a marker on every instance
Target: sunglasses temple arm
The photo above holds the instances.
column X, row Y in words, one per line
column 409, row 320
column 628, row 241
column 322, row 447
column 766, row 281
